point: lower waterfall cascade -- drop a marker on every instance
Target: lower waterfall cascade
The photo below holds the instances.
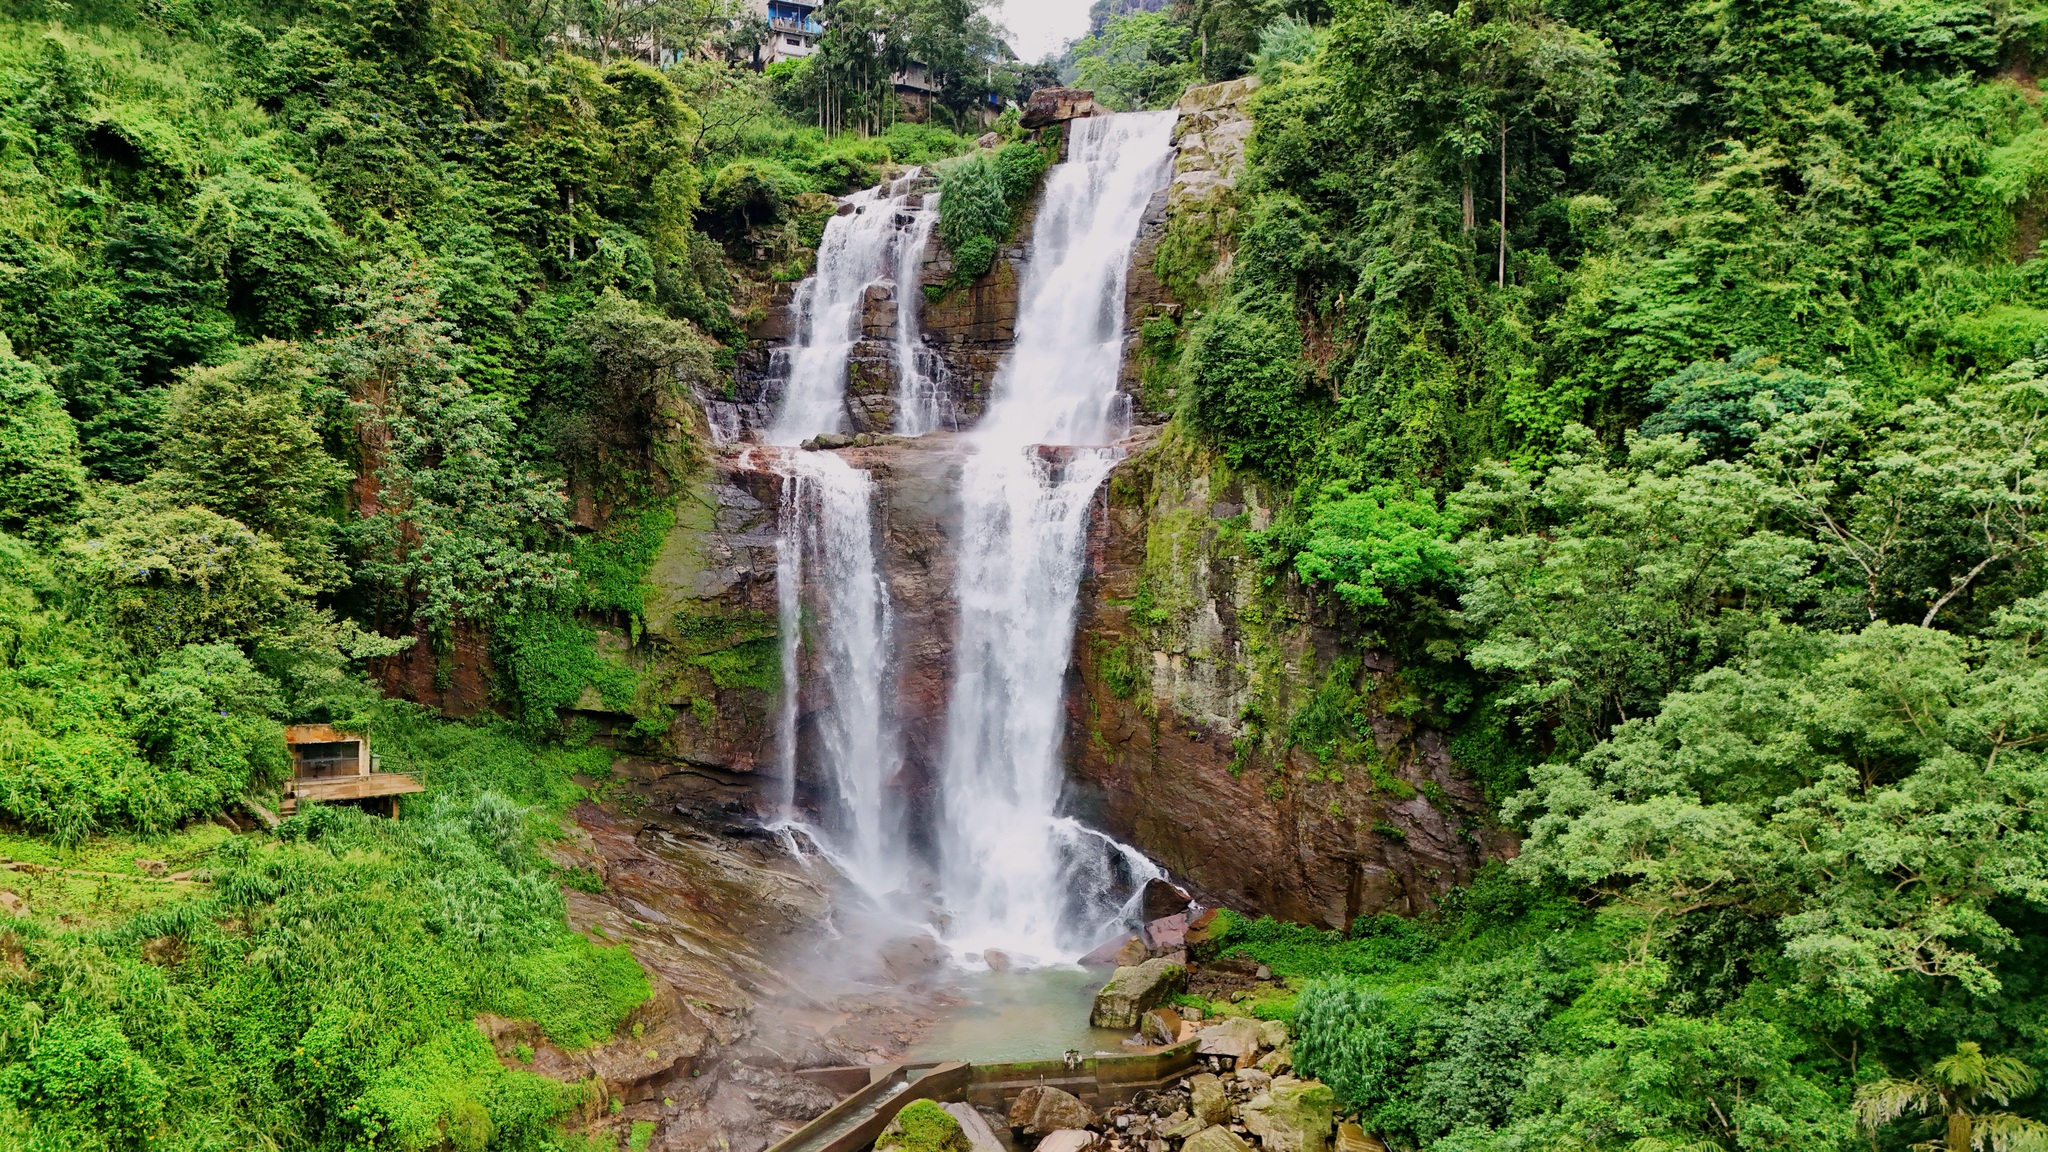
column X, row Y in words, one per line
column 1009, row 872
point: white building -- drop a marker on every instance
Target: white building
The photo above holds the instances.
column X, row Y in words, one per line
column 793, row 29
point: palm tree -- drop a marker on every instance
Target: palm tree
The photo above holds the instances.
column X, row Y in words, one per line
column 1950, row 1088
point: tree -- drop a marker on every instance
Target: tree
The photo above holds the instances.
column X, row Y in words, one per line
column 41, row 477
column 1364, row 545
column 1948, row 1090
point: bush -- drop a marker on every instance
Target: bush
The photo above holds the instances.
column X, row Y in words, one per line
column 749, row 194
column 1243, row 388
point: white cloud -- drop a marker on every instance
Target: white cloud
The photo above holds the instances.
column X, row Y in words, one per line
column 1039, row 27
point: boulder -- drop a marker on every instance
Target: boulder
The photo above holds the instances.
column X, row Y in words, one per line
column 1273, row 1034
column 1292, row 1115
column 1041, row 1108
column 1163, row 898
column 1106, row 953
column 1352, row 1138
column 1216, row 1138
column 1276, row 1062
column 908, row 957
column 1056, row 105
column 1160, row 1026
column 1180, row 1126
column 996, row 959
column 1167, row 933
column 1211, row 1104
column 1253, row 1080
column 989, row 140
column 979, row 1133
column 1202, row 926
column 924, row 1126
column 1236, row 1039
column 1134, row 989
column 1070, row 1140
column 1132, row 953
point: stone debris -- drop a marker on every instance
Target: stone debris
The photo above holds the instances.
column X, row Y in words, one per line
column 1211, row 1104
column 1070, row 1140
column 979, row 1132
column 1235, row 1039
column 1352, row 1138
column 1292, row 1115
column 1161, row 1025
column 1040, row 1109
column 1216, row 1138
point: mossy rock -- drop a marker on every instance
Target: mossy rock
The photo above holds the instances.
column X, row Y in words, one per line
column 923, row 1126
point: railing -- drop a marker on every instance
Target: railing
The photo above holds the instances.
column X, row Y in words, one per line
column 805, row 26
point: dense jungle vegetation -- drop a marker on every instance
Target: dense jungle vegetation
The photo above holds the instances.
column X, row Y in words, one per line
column 1664, row 383
column 320, row 323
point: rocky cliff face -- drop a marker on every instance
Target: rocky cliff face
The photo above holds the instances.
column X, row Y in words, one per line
column 1215, row 721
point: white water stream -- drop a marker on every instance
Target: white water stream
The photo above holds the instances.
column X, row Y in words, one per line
column 1014, row 874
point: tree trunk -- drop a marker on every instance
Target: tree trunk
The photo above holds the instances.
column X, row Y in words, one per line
column 1471, row 218
column 1958, row 1131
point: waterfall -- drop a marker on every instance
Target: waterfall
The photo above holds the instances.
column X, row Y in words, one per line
column 828, row 534
column 878, row 235
column 1016, row 875
column 920, row 374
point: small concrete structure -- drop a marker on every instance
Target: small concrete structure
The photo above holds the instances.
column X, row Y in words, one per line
column 332, row 766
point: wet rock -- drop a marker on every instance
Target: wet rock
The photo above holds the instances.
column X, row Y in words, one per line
column 980, row 1133
column 909, row 957
column 1215, row 1138
column 1352, row 1138
column 1163, row 898
column 1168, row 933
column 1292, row 1115
column 1236, row 1039
column 781, row 1095
column 1070, row 1140
column 1041, row 1108
column 1273, row 1034
column 1106, row 954
column 1211, row 1104
column 1160, row 1026
column 1132, row 953
column 1134, row 989
column 996, row 959
column 828, row 441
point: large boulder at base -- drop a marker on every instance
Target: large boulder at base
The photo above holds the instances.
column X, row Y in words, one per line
column 979, row 1133
column 1105, row 954
column 1132, row 990
column 1236, row 1038
column 1041, row 1108
column 1215, row 1138
column 1070, row 1140
column 1167, row 933
column 1160, row 1025
column 1207, row 1099
column 923, row 1126
column 1054, row 105
column 1292, row 1115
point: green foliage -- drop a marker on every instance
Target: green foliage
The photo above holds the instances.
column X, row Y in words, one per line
column 41, row 478
column 981, row 199
column 923, row 1126
column 1137, row 61
column 1364, row 545
column 1243, row 388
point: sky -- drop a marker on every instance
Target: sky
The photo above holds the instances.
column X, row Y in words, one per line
column 1041, row 26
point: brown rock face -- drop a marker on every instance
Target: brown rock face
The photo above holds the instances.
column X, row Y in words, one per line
column 1157, row 740
column 1049, row 106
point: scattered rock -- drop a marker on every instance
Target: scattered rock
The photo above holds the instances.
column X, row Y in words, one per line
column 1160, row 1026
column 1070, row 1140
column 1163, row 899
column 1180, row 1126
column 1206, row 1096
column 1254, row 1080
column 1273, row 1034
column 1107, row 953
column 996, row 959
column 11, row 904
column 924, row 1126
column 1134, row 989
column 1352, row 1138
column 1277, row 1061
column 1236, row 1039
column 989, row 140
column 153, row 867
column 1201, row 926
column 1292, row 1115
column 1168, row 932
column 1132, row 953
column 1263, row 973
column 1041, row 1108
column 828, row 441
column 979, row 1132
column 908, row 957
column 1215, row 1138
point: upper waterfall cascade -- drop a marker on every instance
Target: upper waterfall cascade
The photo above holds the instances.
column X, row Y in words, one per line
column 1015, row 875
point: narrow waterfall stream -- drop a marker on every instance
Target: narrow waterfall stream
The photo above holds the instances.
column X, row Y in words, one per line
column 1015, row 875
